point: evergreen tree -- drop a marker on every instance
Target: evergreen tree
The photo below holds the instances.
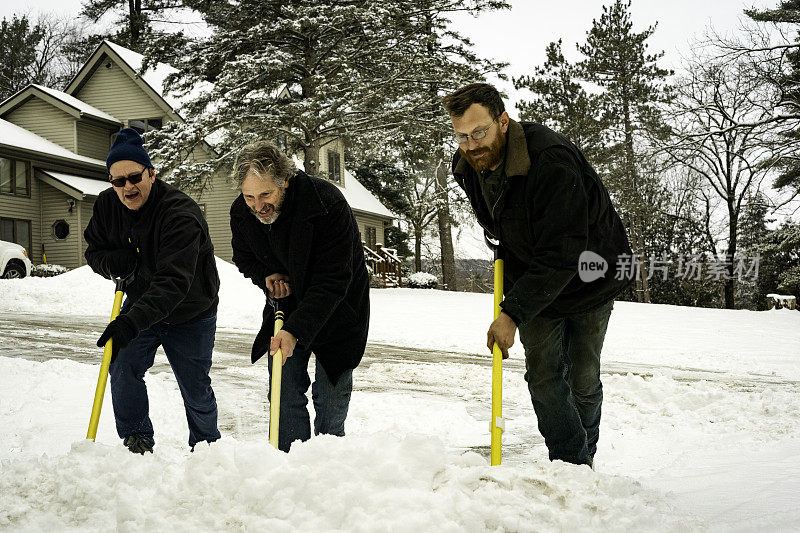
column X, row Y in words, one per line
column 443, row 62
column 787, row 83
column 561, row 103
column 134, row 21
column 312, row 71
column 19, row 38
column 632, row 83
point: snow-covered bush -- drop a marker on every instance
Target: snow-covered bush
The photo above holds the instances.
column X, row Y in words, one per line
column 47, row 271
column 422, row 280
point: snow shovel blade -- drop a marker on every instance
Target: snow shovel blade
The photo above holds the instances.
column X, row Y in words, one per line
column 100, row 391
column 275, row 397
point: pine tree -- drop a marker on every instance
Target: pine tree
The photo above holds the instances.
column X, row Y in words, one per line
column 787, row 82
column 134, row 21
column 616, row 59
column 561, row 103
column 443, row 62
column 19, row 38
column 307, row 72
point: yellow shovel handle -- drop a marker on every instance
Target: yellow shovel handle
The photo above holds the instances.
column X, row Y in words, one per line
column 497, row 372
column 100, row 391
column 275, row 397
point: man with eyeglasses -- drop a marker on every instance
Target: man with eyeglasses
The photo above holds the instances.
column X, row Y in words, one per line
column 156, row 238
column 533, row 191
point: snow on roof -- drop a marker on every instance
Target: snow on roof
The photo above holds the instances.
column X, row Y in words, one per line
column 86, row 186
column 71, row 101
column 14, row 136
column 155, row 76
column 357, row 196
column 361, row 199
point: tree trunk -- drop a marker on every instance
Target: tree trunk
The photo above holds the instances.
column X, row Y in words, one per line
column 448, row 256
column 135, row 23
column 417, row 249
column 311, row 158
column 730, row 283
column 637, row 240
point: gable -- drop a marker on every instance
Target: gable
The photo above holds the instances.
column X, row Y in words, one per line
column 108, row 87
column 45, row 120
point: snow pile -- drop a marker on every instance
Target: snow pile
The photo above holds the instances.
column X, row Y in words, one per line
column 396, row 484
column 370, row 481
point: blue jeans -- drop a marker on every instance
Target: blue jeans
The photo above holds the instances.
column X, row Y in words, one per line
column 562, row 362
column 331, row 402
column 188, row 348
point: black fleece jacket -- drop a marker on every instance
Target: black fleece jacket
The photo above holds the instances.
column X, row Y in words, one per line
column 176, row 277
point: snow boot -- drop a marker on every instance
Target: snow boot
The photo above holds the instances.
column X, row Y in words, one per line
column 137, row 444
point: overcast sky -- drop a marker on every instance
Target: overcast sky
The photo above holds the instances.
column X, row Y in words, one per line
column 520, row 35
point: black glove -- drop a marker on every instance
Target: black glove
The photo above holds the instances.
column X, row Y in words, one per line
column 122, row 330
column 119, row 264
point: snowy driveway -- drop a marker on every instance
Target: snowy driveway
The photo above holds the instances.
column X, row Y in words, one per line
column 682, row 445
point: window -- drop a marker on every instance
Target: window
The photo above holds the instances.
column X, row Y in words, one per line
column 6, row 185
column 334, row 167
column 60, row 229
column 145, row 124
column 15, row 177
column 16, row 230
column 372, row 236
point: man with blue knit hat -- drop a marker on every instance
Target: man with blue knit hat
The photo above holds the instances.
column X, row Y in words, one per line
column 156, row 238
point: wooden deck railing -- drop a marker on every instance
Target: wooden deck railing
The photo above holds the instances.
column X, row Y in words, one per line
column 384, row 264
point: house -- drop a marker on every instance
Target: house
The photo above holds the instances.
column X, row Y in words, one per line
column 53, row 146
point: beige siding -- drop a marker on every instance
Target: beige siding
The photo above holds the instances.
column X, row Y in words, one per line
column 334, row 146
column 366, row 220
column 55, row 207
column 217, row 200
column 113, row 91
column 93, row 141
column 24, row 208
column 86, row 214
column 45, row 120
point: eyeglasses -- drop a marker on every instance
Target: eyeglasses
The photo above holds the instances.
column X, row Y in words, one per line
column 461, row 138
column 134, row 178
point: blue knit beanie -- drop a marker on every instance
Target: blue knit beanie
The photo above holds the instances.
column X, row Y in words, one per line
column 128, row 147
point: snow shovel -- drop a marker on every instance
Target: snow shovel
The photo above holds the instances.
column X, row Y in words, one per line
column 498, row 424
column 277, row 368
column 99, row 393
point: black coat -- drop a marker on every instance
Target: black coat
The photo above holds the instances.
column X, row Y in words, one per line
column 176, row 277
column 326, row 269
column 551, row 207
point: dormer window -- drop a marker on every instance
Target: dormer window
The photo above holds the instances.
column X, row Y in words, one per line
column 334, row 167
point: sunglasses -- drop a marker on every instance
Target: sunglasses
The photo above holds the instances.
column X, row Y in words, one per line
column 134, row 178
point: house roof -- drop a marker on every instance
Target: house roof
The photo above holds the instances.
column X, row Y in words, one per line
column 361, row 199
column 65, row 102
column 76, row 186
column 80, row 105
column 357, row 196
column 15, row 137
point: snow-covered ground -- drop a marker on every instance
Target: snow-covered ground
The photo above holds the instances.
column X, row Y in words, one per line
column 701, row 428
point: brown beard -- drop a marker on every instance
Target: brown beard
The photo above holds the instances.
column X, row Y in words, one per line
column 496, row 152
